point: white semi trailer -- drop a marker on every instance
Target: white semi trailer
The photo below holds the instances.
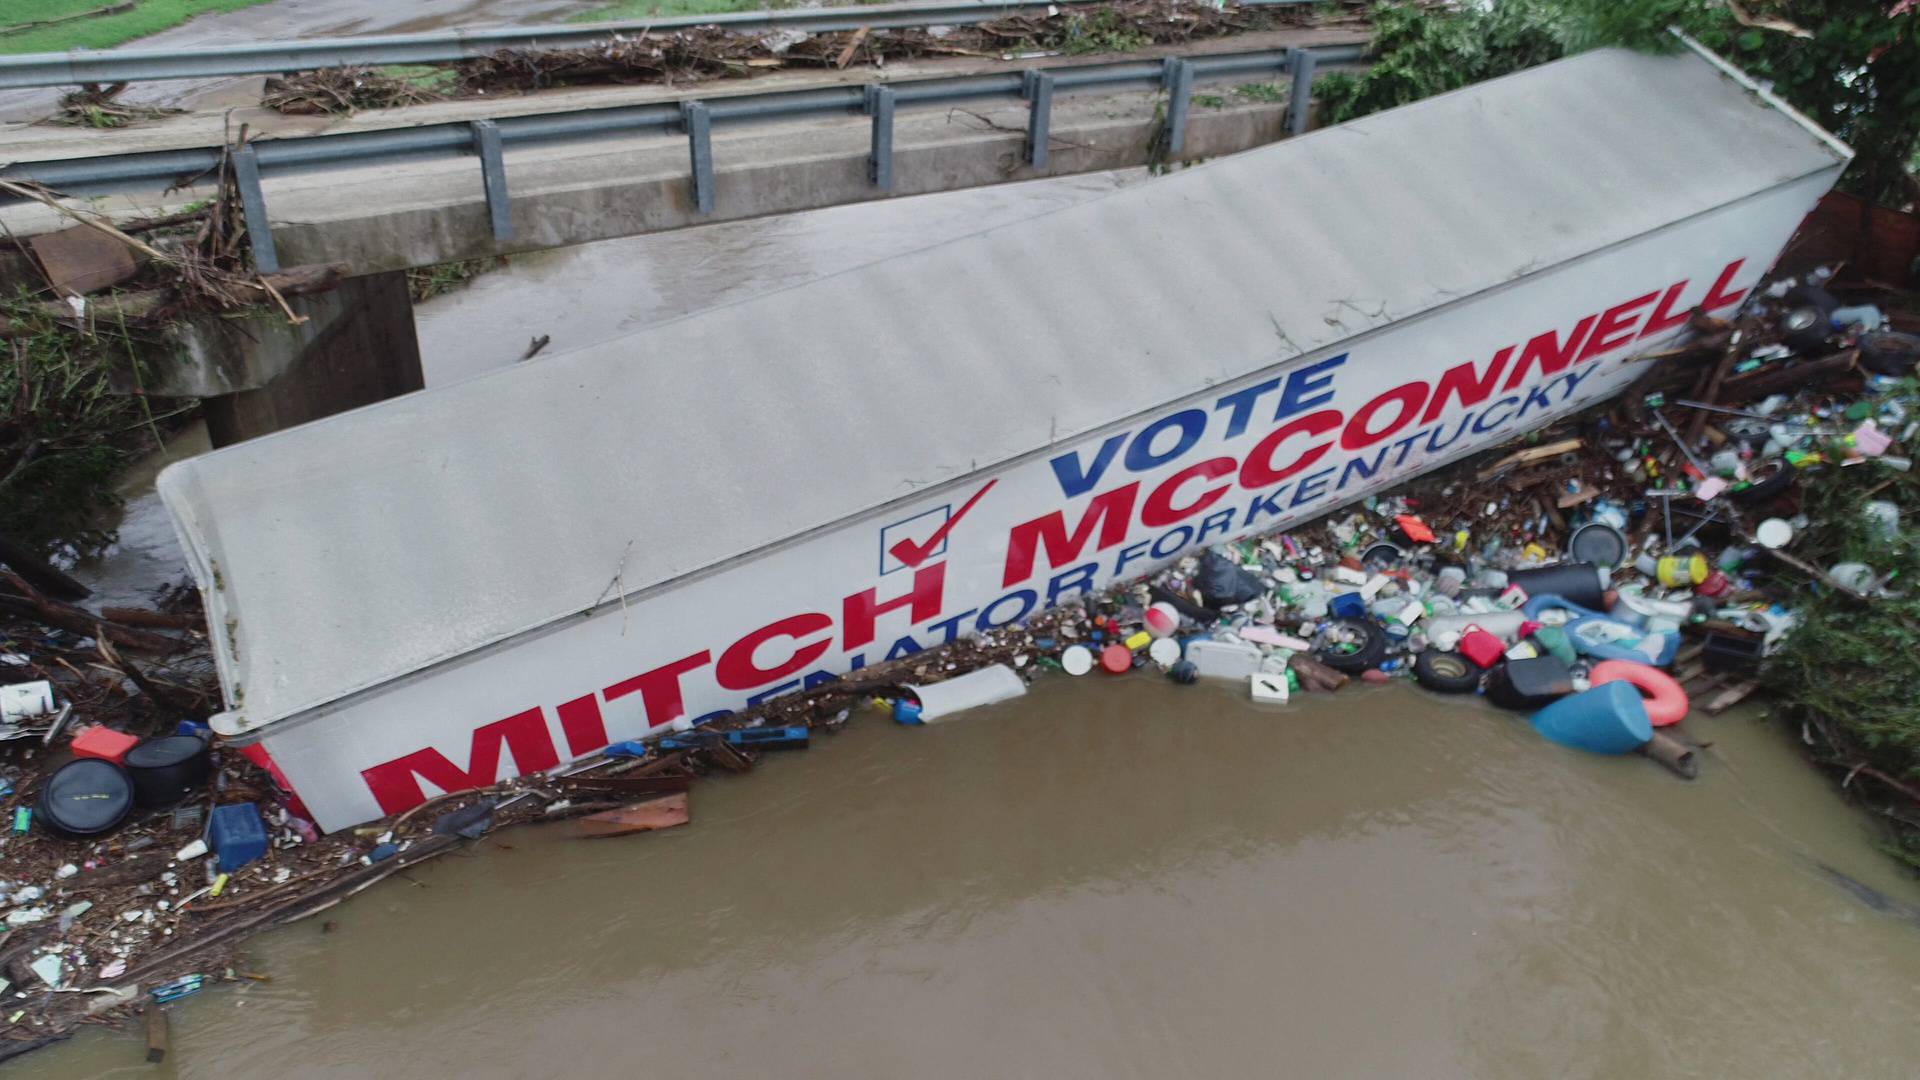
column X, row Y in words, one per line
column 510, row 572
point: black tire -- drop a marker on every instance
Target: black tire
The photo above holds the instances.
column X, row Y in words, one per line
column 1446, row 672
column 1351, row 646
column 1890, row 353
column 1806, row 330
column 1774, row 476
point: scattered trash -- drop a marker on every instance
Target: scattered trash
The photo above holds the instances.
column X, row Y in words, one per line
column 177, row 989
column 942, row 700
column 23, row 701
column 85, row 797
column 99, row 741
column 236, row 834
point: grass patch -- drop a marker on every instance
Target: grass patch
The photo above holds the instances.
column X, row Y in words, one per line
column 653, row 9
column 1210, row 101
column 1269, row 93
column 427, row 282
column 104, row 32
column 439, row 80
column 64, row 433
column 1105, row 32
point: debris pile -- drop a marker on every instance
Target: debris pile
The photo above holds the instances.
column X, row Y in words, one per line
column 97, row 106
column 703, row 53
column 341, row 91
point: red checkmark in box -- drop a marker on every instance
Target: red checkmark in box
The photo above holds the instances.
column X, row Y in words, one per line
column 913, row 554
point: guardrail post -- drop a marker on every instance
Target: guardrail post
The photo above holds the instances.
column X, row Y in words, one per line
column 1300, row 99
column 493, row 177
column 699, row 124
column 880, row 158
column 1178, row 80
column 1038, row 90
column 253, row 203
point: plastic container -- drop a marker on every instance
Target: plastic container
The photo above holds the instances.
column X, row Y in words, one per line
column 1531, row 684
column 1582, row 583
column 1480, row 647
column 103, row 743
column 168, row 769
column 1598, row 543
column 1224, row 659
column 236, row 834
column 1504, row 624
column 86, row 797
column 1268, row 688
column 1608, row 719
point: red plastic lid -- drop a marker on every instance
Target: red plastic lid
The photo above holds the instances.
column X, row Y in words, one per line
column 1415, row 529
column 1117, row 659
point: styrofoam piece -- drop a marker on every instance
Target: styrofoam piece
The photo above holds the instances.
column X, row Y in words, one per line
column 1224, row 659
column 1372, row 586
column 22, row 700
column 942, row 700
column 1268, row 688
column 1349, row 576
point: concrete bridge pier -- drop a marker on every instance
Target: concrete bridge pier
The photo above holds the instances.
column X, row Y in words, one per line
column 257, row 373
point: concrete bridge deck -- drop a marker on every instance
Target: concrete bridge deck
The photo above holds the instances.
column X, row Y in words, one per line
column 381, row 218
column 355, row 344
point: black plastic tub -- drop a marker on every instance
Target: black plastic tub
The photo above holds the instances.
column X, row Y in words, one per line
column 168, row 769
column 86, row 797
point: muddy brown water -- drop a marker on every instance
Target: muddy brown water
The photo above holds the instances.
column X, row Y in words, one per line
column 1121, row 877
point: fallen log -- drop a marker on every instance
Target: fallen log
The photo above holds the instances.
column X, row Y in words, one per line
column 147, row 617
column 75, row 621
column 43, row 575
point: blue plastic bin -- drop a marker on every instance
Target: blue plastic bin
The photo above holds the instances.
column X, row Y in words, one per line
column 1609, row 719
column 236, row 834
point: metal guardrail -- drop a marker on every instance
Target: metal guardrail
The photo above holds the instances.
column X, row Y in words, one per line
column 273, row 57
column 489, row 139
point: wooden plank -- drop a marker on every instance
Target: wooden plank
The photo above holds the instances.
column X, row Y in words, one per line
column 158, row 1035
column 1731, row 696
column 1527, row 457
column 662, row 813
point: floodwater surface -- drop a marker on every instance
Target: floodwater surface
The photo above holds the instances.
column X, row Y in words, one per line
column 1120, row 877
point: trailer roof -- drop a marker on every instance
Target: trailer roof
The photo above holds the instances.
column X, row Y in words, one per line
column 345, row 553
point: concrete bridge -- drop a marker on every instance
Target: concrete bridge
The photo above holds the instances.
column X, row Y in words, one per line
column 380, row 192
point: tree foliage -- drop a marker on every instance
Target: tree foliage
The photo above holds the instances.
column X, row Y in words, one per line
column 1853, row 66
